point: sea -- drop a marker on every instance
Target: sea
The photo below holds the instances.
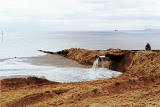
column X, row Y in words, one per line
column 15, row 47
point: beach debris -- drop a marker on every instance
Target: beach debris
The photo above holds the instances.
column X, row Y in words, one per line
column 148, row 47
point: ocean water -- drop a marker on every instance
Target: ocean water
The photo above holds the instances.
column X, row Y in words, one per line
column 26, row 44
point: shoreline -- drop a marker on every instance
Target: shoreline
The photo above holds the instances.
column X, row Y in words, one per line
column 47, row 60
column 42, row 61
column 54, row 68
column 51, row 60
column 137, row 86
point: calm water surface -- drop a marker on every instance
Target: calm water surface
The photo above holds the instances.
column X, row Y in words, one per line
column 26, row 43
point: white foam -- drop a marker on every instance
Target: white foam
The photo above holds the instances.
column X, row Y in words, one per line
column 15, row 68
column 95, row 64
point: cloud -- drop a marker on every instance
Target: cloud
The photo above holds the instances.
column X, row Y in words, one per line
column 84, row 14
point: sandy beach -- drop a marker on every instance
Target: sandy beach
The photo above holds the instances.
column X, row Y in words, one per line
column 51, row 60
column 46, row 61
column 79, row 53
column 139, row 85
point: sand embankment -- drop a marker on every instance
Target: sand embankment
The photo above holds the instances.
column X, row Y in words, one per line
column 139, row 85
column 120, row 59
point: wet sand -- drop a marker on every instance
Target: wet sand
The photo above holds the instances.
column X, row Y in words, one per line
column 138, row 86
column 47, row 60
column 52, row 60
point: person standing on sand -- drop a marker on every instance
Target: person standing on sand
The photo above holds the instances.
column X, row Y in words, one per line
column 148, row 47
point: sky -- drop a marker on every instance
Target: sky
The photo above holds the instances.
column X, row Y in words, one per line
column 71, row 15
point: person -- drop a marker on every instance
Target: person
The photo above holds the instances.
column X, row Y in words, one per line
column 148, row 47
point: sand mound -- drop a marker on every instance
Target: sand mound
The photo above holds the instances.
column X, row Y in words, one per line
column 87, row 57
column 14, row 83
column 139, row 85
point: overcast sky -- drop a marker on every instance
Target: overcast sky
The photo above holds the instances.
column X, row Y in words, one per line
column 49, row 15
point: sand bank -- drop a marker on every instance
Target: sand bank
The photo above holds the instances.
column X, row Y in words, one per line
column 139, row 85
